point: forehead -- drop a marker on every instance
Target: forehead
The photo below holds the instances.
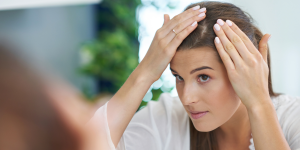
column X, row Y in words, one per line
column 197, row 57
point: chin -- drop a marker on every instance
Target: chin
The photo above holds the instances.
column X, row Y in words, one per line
column 205, row 127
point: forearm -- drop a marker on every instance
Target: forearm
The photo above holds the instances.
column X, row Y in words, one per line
column 123, row 105
column 266, row 131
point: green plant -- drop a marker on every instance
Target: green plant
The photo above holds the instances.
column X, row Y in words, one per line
column 113, row 55
column 111, row 59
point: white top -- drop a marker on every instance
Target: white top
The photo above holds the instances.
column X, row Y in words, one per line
column 164, row 125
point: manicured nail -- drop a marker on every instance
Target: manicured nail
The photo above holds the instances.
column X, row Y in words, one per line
column 202, row 9
column 201, row 15
column 269, row 37
column 196, row 7
column 194, row 23
column 229, row 22
column 220, row 22
column 217, row 40
column 217, row 27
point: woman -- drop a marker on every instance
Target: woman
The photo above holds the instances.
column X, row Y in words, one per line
column 225, row 97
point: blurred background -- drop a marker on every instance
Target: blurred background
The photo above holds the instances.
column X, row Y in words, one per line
column 96, row 44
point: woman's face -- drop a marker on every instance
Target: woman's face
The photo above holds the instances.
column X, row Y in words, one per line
column 203, row 85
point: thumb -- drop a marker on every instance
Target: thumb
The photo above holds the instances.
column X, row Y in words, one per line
column 166, row 18
column 263, row 46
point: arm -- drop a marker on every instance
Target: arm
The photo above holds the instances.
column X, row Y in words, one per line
column 123, row 105
column 126, row 101
column 248, row 73
column 266, row 131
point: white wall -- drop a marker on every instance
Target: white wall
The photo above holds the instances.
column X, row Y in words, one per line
column 17, row 4
column 281, row 20
column 51, row 36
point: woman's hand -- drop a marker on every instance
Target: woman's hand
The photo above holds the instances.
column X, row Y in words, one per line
column 166, row 42
column 246, row 65
column 248, row 72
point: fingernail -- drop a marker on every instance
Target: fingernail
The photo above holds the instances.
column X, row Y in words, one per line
column 217, row 27
column 217, row 40
column 201, row 15
column 202, row 9
column 269, row 37
column 229, row 22
column 220, row 22
column 194, row 23
column 196, row 7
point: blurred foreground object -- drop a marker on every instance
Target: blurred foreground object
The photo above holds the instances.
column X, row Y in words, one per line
column 40, row 114
column 27, row 119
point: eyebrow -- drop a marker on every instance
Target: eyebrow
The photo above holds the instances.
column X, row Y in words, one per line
column 195, row 70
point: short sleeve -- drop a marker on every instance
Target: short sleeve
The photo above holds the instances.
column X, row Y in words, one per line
column 288, row 112
column 100, row 124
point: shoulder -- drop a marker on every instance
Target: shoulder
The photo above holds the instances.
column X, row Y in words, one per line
column 160, row 115
column 161, row 110
column 158, row 125
column 285, row 100
column 286, row 106
column 288, row 112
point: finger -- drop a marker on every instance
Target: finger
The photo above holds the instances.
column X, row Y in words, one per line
column 248, row 43
column 177, row 40
column 228, row 46
column 166, row 18
column 186, row 15
column 188, row 22
column 180, row 27
column 263, row 46
column 224, row 55
column 181, row 18
column 235, row 40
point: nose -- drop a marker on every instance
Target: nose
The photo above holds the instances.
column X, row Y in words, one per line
column 189, row 94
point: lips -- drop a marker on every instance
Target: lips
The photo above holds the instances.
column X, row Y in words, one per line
column 198, row 114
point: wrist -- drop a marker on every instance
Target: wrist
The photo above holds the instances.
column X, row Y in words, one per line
column 141, row 76
column 264, row 104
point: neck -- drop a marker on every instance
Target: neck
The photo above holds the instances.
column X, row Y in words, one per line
column 237, row 129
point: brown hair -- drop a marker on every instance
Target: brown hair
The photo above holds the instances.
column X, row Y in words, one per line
column 28, row 120
column 203, row 36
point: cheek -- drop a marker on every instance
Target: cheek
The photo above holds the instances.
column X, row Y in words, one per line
column 179, row 89
column 222, row 102
column 223, row 99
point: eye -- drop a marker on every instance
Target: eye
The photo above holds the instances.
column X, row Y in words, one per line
column 179, row 78
column 203, row 78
